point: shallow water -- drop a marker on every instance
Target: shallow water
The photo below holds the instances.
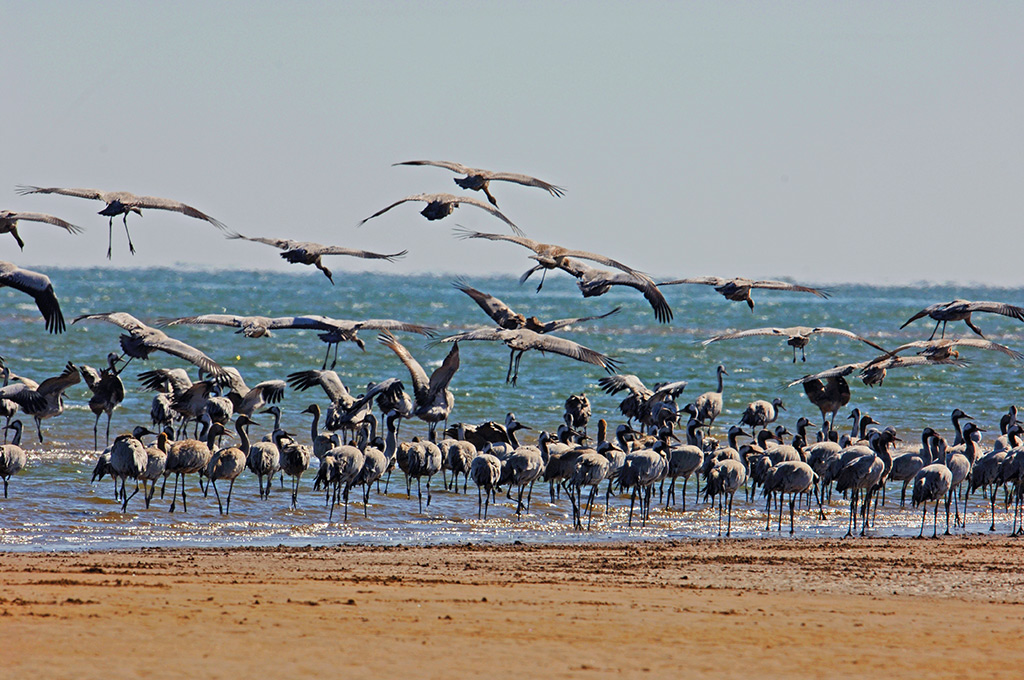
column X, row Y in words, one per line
column 53, row 505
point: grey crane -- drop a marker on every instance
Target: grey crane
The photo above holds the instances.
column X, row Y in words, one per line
column 12, row 456
column 708, row 405
column 509, row 319
column 440, row 206
column 143, row 340
column 477, row 179
column 107, row 392
column 547, row 255
column 522, row 340
column 792, row 477
column 333, row 331
column 594, row 282
column 578, row 412
column 375, row 460
column 865, row 470
column 873, row 372
column 128, row 460
column 156, row 465
column 762, row 413
column 485, row 471
column 307, row 252
column 339, row 413
column 945, row 348
column 906, row 465
column 797, row 337
column 524, row 467
column 122, row 203
column 433, row 399
column 590, row 469
column 294, row 459
column 684, row 460
column 724, row 479
column 228, row 463
column 39, row 287
column 829, row 396
column 187, row 456
column 738, row 289
column 640, row 405
column 932, row 483
column 50, row 393
column 961, row 310
column 9, row 223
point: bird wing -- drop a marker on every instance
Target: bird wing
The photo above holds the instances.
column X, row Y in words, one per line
column 526, row 180
column 613, row 384
column 327, row 380
column 923, row 313
column 43, row 217
column 590, row 276
column 981, row 343
column 282, row 243
column 568, row 348
column 838, row 371
column 39, row 287
column 57, row 384
column 187, row 352
column 557, row 324
column 393, row 325
column 417, row 197
column 122, row 319
column 377, row 388
column 478, row 334
column 231, row 320
column 492, row 306
column 271, row 390
column 753, row 332
column 997, row 308
column 158, row 378
column 365, row 254
column 846, row 334
column 25, row 396
column 702, row 280
column 90, row 374
column 669, row 390
column 535, row 246
column 444, row 373
column 448, row 165
column 782, row 285
column 23, row 190
column 157, row 203
column 420, row 381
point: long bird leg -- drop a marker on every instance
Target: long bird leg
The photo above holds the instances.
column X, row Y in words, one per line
column 131, row 246
column 107, row 443
column 110, row 236
column 217, row 494
column 335, row 362
column 174, row 493
column 326, row 356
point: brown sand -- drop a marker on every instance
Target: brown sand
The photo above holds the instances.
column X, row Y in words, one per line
column 749, row 608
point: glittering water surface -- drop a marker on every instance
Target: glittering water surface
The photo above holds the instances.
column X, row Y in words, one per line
column 53, row 505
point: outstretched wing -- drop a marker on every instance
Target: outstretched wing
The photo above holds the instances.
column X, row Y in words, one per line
column 39, row 287
column 282, row 243
column 157, row 203
column 782, row 285
column 448, row 165
column 527, row 181
column 499, row 312
column 43, row 217
column 122, row 319
column 702, row 280
column 421, row 384
column 613, row 384
column 23, row 190
column 997, row 308
column 557, row 324
column 187, row 352
column 231, row 320
column 843, row 370
column 568, row 348
column 365, row 254
column 828, row 330
column 444, row 373
column 327, row 380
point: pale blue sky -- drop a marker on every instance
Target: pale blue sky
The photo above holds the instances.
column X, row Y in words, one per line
column 879, row 142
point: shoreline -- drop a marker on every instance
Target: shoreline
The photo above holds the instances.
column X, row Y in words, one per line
column 703, row 607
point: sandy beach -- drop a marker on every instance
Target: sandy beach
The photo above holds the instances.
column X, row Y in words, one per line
column 747, row 608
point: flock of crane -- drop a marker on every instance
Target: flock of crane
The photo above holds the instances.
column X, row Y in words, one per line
column 644, row 452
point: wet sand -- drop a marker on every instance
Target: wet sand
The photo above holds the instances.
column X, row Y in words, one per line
column 748, row 608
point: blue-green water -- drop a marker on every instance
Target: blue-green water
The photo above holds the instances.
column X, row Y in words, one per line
column 54, row 506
